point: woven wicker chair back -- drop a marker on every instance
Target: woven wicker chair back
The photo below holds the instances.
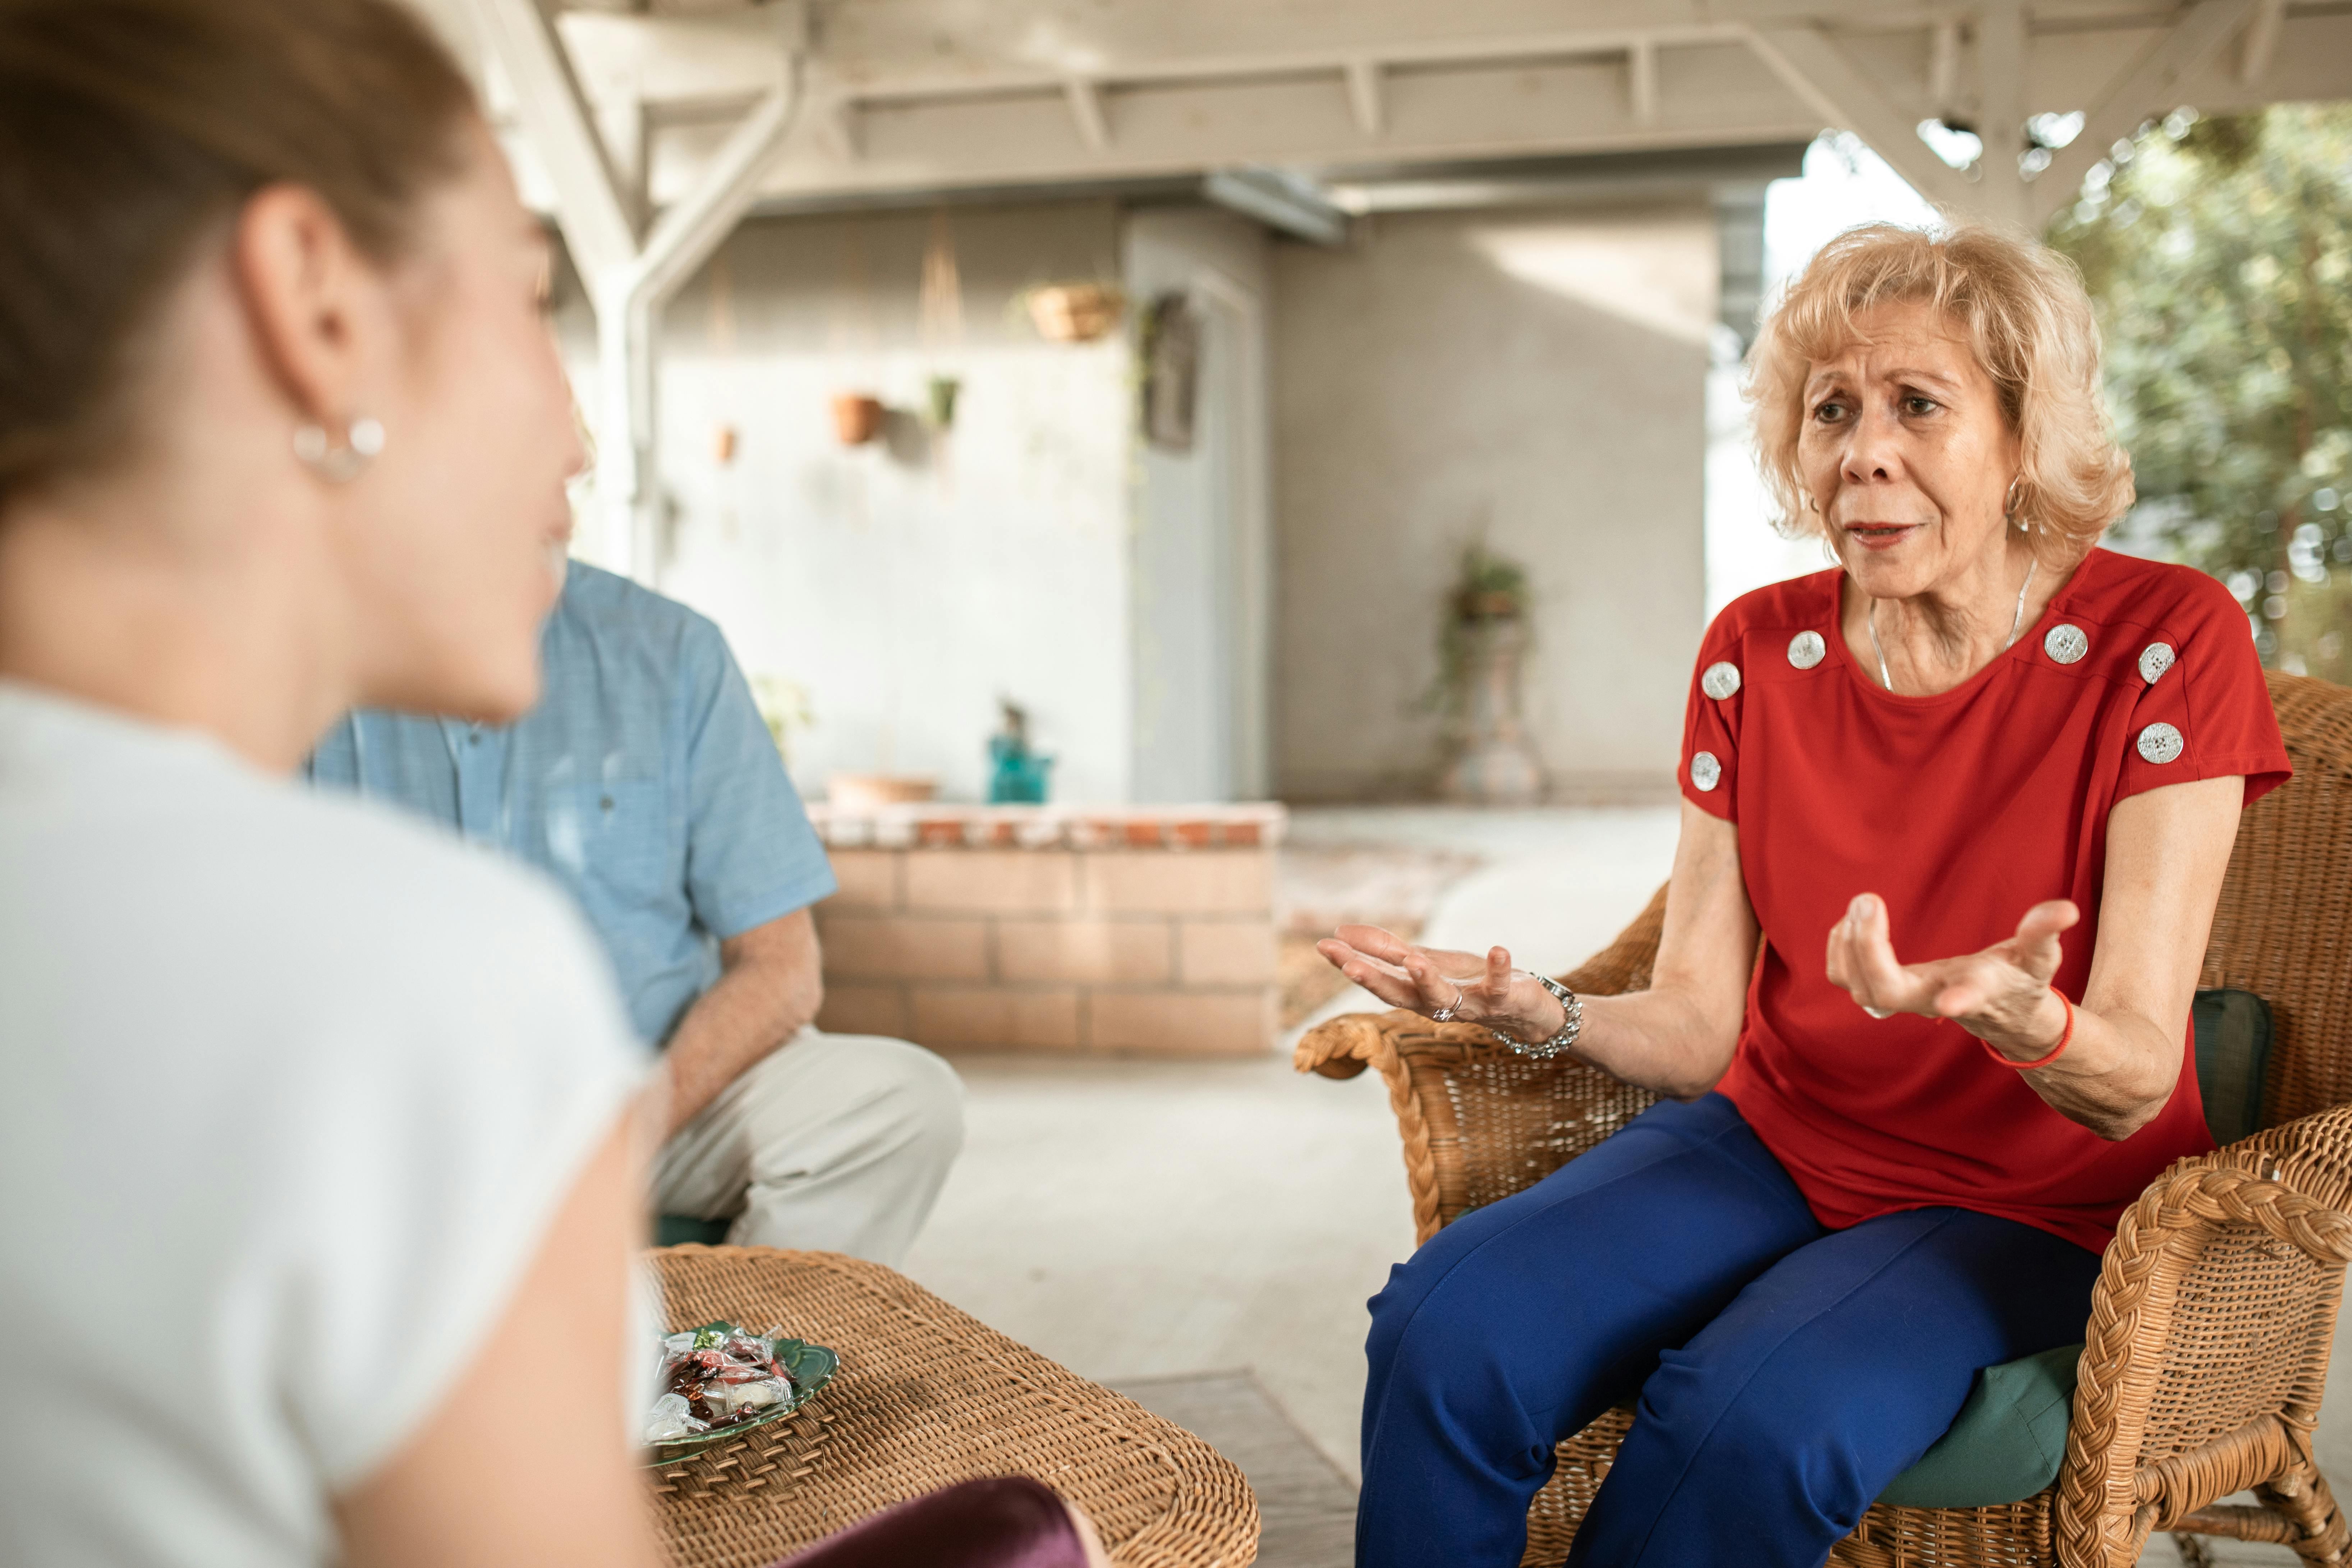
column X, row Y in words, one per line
column 2283, row 928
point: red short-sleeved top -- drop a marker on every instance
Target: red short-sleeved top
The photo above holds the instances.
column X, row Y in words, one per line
column 1961, row 810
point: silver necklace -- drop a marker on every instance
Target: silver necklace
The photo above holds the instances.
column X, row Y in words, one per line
column 2016, row 626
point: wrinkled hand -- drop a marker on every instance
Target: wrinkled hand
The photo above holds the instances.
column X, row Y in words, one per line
column 1427, row 980
column 2000, row 995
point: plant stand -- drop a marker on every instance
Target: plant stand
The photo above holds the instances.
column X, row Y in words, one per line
column 1493, row 763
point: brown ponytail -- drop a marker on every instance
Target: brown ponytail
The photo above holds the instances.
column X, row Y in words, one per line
column 131, row 129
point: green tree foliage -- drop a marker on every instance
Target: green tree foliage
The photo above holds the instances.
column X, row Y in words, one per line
column 2219, row 252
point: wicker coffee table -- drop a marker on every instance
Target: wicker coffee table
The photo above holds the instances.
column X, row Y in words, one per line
column 926, row 1397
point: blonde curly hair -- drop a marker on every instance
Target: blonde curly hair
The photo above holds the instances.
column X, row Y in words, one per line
column 2021, row 308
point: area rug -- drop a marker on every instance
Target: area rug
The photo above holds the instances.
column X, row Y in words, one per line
column 1307, row 1508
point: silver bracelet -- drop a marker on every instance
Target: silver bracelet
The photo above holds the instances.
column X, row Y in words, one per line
column 1570, row 1005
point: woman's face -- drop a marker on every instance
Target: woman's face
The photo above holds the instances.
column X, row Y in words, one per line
column 1906, row 452
column 453, row 531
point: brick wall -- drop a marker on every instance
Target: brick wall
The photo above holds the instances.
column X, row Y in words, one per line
column 1006, row 928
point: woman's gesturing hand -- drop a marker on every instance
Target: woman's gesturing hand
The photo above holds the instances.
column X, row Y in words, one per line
column 1428, row 981
column 2002, row 996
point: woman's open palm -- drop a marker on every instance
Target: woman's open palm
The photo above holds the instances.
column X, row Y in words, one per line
column 1431, row 981
column 1996, row 994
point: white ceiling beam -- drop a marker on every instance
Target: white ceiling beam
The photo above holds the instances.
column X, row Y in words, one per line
column 1642, row 81
column 1365, row 96
column 1944, row 66
column 2260, row 42
column 1222, row 83
column 1277, row 203
column 1087, row 113
column 628, row 303
column 836, row 128
column 589, row 206
column 628, row 279
column 922, row 79
column 1718, row 96
column 2149, row 85
column 2001, row 193
column 1821, row 73
column 690, row 229
column 873, row 41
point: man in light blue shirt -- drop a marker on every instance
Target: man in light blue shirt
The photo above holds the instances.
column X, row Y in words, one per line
column 645, row 782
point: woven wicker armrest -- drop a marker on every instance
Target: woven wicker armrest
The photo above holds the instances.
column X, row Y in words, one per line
column 2207, row 1351
column 1343, row 1046
column 1478, row 1121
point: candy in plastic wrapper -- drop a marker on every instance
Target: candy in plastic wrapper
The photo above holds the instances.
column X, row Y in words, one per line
column 670, row 1420
column 714, row 1377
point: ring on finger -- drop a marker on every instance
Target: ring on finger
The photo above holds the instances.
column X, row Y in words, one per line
column 1445, row 1014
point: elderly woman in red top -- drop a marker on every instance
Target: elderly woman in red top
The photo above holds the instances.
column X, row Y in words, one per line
column 1973, row 790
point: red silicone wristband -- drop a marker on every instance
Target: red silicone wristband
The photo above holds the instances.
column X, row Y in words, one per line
column 2065, row 1038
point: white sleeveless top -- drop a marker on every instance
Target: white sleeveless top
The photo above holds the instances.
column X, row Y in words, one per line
column 290, row 1089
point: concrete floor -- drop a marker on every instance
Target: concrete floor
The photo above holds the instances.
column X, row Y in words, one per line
column 1134, row 1219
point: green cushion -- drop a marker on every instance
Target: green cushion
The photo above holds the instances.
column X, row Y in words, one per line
column 670, row 1229
column 2008, row 1440
column 2233, row 1057
column 2006, row 1443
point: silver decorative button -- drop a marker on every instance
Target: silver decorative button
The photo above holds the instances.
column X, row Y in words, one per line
column 2160, row 743
column 1705, row 772
column 1720, row 680
column 2066, row 644
column 1806, row 650
column 2154, row 661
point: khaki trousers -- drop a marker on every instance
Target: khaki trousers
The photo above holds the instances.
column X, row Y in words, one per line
column 833, row 1143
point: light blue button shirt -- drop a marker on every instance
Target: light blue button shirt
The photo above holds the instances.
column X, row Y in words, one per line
column 645, row 780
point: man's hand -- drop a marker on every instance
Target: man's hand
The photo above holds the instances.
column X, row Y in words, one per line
column 771, row 985
column 2002, row 996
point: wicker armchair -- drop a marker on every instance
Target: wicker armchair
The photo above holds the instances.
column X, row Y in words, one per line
column 2208, row 1345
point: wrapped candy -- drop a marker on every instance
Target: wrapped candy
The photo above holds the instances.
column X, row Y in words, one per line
column 670, row 1420
column 714, row 1377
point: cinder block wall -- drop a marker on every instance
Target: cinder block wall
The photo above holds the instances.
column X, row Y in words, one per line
column 1147, row 932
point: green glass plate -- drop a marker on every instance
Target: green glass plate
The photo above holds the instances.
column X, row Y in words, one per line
column 811, row 1368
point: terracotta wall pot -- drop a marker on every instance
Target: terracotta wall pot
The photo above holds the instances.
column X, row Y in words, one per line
column 1075, row 313
column 1487, row 606
column 856, row 417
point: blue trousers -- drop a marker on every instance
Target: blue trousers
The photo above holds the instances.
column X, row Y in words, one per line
column 1786, row 1372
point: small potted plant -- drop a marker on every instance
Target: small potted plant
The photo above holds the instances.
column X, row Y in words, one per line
column 1017, row 774
column 939, row 395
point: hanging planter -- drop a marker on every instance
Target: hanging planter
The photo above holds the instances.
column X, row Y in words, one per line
column 856, row 417
column 939, row 397
column 1075, row 313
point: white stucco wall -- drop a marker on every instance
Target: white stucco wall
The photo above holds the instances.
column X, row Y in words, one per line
column 1539, row 375
column 907, row 584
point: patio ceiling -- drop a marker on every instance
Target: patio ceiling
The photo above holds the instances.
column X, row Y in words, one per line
column 901, row 96
column 649, row 127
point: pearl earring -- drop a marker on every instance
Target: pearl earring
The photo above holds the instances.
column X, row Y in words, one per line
column 339, row 465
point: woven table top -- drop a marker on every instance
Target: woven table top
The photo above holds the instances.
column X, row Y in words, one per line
column 926, row 1397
